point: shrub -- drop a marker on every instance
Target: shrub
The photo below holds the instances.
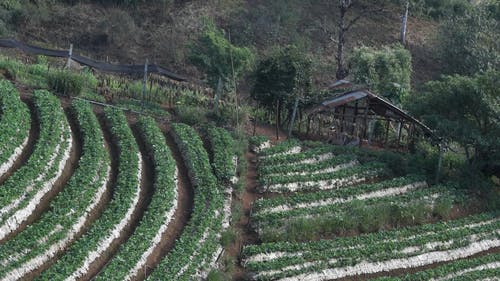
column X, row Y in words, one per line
column 65, row 83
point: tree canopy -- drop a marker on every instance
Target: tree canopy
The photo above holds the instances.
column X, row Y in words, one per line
column 465, row 110
column 213, row 54
column 386, row 71
column 283, row 76
column 470, row 43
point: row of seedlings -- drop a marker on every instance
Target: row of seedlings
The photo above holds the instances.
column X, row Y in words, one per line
column 224, row 164
column 69, row 211
column 15, row 124
column 133, row 254
column 109, row 227
column 21, row 193
column 368, row 254
column 198, row 242
column 485, row 268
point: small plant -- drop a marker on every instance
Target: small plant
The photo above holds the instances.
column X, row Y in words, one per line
column 217, row 275
column 228, row 237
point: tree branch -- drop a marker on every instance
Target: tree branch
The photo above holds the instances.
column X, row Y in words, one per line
column 362, row 14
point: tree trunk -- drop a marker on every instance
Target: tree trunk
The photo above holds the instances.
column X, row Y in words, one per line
column 341, row 71
column 403, row 24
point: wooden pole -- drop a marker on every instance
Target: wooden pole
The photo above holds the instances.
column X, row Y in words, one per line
column 403, row 24
column 290, row 128
column 277, row 120
column 144, row 85
column 387, row 132
column 70, row 55
column 440, row 161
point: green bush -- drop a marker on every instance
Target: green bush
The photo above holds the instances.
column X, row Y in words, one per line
column 65, row 83
column 191, row 115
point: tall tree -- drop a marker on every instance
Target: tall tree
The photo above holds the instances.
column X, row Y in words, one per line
column 465, row 110
column 387, row 71
column 281, row 78
column 345, row 24
column 214, row 54
column 470, row 43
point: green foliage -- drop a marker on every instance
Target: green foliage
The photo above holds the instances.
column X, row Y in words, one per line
column 386, row 71
column 213, row 54
column 470, row 43
column 217, row 275
column 65, row 83
column 465, row 110
column 191, row 115
column 282, row 77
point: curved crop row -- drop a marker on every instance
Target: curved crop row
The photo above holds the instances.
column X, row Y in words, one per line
column 322, row 165
column 133, row 255
column 23, row 191
column 367, row 254
column 70, row 209
column 15, row 124
column 481, row 268
column 221, row 144
column 368, row 211
column 324, row 181
column 283, row 148
column 199, row 240
column 108, row 227
column 303, row 200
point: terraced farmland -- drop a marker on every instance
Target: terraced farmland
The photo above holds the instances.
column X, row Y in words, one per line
column 329, row 213
column 137, row 202
column 92, row 193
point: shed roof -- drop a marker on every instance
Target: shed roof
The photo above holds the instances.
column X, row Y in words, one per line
column 380, row 106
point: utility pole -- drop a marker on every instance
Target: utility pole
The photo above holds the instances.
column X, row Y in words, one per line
column 144, row 85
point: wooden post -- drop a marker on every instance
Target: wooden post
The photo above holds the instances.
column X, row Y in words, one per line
column 70, row 55
column 365, row 118
column 387, row 132
column 293, row 116
column 277, row 120
column 354, row 125
column 400, row 130
column 144, row 84
column 440, row 161
column 218, row 94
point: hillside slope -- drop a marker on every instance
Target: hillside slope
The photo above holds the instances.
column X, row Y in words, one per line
column 162, row 30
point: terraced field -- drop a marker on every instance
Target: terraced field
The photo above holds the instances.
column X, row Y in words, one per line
column 91, row 193
column 330, row 213
column 139, row 202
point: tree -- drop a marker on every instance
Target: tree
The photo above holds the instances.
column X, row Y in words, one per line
column 344, row 25
column 281, row 78
column 386, row 71
column 470, row 43
column 213, row 54
column 465, row 110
